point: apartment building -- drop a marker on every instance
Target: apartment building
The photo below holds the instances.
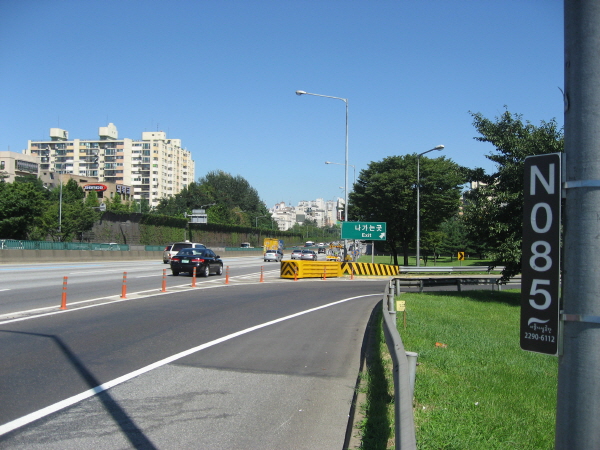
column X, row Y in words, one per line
column 151, row 168
column 17, row 165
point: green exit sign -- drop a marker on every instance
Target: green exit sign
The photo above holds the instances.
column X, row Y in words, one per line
column 366, row 231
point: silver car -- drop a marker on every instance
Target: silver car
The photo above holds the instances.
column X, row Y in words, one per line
column 296, row 254
column 309, row 255
column 273, row 255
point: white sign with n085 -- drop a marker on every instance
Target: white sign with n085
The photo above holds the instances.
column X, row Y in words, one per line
column 541, row 254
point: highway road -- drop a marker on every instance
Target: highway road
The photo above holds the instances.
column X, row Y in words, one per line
column 248, row 364
column 29, row 285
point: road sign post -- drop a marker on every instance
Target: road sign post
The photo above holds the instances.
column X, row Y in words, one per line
column 540, row 282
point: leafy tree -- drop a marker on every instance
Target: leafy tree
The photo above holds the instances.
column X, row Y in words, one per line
column 494, row 210
column 233, row 201
column 20, row 204
column 456, row 238
column 387, row 192
column 431, row 242
column 71, row 192
column 75, row 217
column 92, row 200
column 117, row 205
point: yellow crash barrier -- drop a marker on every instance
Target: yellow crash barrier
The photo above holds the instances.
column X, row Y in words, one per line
column 310, row 269
column 369, row 269
column 319, row 269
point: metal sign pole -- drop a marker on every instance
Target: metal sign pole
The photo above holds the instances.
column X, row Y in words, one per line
column 578, row 402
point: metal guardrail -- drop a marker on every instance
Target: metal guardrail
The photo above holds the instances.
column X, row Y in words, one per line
column 403, row 373
column 423, row 282
column 447, row 269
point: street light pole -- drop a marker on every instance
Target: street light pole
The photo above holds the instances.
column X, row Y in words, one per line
column 256, row 221
column 438, row 147
column 345, row 100
column 60, row 208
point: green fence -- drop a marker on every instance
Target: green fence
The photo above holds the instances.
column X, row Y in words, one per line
column 154, row 248
column 8, row 244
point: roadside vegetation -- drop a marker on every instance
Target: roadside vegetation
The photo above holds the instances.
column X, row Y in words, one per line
column 475, row 388
column 441, row 261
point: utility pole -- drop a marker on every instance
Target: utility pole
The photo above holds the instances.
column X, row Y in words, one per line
column 578, row 405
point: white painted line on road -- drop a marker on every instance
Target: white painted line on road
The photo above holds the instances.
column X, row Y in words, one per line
column 17, row 423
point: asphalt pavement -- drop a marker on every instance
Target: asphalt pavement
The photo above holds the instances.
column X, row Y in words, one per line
column 286, row 382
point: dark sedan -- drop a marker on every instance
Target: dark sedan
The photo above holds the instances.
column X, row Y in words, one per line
column 203, row 259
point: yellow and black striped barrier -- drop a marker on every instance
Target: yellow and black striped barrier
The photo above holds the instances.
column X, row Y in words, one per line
column 324, row 269
column 369, row 269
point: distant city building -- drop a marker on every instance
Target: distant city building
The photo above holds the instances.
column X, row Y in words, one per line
column 151, row 168
column 324, row 213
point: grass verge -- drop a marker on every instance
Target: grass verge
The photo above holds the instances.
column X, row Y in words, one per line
column 475, row 387
column 412, row 261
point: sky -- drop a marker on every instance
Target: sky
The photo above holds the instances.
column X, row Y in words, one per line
column 221, row 75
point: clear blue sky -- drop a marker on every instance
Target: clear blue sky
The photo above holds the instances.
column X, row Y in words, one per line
column 221, row 75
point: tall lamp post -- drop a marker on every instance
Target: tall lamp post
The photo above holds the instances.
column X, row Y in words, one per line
column 256, row 221
column 438, row 147
column 345, row 100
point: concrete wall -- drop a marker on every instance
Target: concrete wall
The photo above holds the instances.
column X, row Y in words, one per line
column 15, row 256
column 43, row 256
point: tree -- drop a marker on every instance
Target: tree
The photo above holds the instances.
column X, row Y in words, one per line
column 494, row 211
column 92, row 200
column 387, row 192
column 431, row 241
column 20, row 204
column 117, row 205
column 235, row 201
column 455, row 236
column 75, row 218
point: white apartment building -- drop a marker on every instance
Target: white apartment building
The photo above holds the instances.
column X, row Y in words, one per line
column 324, row 212
column 151, row 168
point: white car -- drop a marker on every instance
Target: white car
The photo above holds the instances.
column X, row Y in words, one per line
column 296, row 254
column 273, row 255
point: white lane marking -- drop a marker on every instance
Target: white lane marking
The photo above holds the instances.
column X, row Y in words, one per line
column 21, row 421
column 1, row 290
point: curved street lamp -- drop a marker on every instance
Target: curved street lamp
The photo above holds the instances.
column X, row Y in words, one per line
column 340, row 164
column 345, row 100
column 438, row 147
column 256, row 221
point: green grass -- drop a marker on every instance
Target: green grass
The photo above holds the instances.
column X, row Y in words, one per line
column 376, row 429
column 412, row 261
column 478, row 389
